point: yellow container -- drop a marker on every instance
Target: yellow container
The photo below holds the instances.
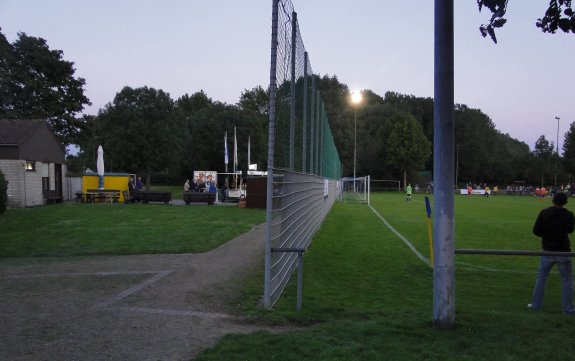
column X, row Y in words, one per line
column 116, row 181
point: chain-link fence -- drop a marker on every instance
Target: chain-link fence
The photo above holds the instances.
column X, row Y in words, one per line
column 303, row 162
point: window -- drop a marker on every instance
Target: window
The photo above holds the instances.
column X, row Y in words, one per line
column 45, row 184
column 30, row 166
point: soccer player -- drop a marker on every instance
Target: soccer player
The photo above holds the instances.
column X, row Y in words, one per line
column 408, row 192
column 553, row 226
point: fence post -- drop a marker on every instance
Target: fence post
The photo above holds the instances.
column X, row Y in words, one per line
column 292, row 96
column 299, row 279
column 304, row 106
column 271, row 145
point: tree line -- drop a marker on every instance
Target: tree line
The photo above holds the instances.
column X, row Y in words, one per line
column 145, row 131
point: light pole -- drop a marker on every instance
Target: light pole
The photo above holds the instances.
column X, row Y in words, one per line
column 557, row 152
column 355, row 99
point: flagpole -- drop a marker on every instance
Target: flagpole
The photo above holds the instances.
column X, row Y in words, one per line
column 235, row 159
column 249, row 161
column 226, row 150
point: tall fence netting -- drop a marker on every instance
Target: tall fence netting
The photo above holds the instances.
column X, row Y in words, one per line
column 303, row 162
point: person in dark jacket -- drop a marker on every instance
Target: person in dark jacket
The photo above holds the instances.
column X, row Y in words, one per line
column 553, row 226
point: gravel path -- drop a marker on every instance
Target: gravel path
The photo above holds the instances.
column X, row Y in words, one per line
column 145, row 307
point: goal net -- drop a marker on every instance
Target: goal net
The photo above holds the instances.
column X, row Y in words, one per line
column 354, row 190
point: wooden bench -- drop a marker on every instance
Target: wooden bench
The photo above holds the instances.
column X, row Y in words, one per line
column 52, row 196
column 146, row 197
column 102, row 195
column 199, row 197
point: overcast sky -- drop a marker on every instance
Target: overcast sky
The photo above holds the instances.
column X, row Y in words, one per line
column 223, row 47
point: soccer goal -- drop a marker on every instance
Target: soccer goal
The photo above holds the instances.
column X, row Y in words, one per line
column 354, row 190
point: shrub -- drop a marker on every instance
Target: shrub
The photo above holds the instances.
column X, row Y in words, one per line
column 3, row 193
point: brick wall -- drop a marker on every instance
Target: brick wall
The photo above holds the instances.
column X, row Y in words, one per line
column 14, row 173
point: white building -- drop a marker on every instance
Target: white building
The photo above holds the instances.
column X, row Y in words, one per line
column 32, row 160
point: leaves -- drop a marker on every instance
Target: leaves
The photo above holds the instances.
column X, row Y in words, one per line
column 559, row 15
column 36, row 82
column 498, row 8
column 499, row 23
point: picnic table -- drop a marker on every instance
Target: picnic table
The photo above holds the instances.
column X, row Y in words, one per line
column 98, row 195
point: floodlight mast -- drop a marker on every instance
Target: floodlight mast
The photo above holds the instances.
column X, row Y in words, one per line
column 443, row 219
column 356, row 98
column 557, row 151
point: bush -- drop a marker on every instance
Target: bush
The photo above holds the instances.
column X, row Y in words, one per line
column 3, row 193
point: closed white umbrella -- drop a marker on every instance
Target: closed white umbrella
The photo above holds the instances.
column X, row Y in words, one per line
column 100, row 167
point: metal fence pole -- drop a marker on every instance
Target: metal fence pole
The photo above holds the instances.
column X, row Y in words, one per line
column 443, row 222
column 271, row 145
column 299, row 279
column 304, row 106
column 292, row 93
column 317, row 132
column 312, row 125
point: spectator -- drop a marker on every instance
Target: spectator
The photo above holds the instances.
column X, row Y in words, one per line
column 139, row 184
column 553, row 225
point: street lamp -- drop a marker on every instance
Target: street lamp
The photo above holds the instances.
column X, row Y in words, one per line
column 355, row 99
column 557, row 152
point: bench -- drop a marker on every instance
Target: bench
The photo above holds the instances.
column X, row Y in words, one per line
column 52, row 196
column 199, row 197
column 101, row 195
column 146, row 197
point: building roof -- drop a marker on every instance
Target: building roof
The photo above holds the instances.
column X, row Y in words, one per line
column 33, row 138
column 18, row 131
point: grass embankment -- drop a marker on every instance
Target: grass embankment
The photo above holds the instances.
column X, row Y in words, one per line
column 366, row 296
column 117, row 229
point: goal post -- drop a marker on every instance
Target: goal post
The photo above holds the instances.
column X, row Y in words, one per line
column 355, row 190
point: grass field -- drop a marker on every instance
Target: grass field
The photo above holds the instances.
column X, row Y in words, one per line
column 96, row 229
column 366, row 296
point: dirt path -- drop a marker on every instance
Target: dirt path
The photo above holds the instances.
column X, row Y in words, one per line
column 147, row 307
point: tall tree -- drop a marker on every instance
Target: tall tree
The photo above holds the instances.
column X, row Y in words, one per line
column 541, row 167
column 141, row 131
column 407, row 147
column 256, row 99
column 569, row 150
column 191, row 104
column 36, row 82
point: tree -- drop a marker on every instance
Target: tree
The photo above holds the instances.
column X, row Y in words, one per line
column 559, row 15
column 257, row 100
column 191, row 104
column 569, row 149
column 37, row 83
column 141, row 131
column 407, row 147
column 542, row 164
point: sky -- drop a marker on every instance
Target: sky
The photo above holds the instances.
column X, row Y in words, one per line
column 223, row 48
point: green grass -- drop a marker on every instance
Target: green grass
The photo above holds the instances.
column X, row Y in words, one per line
column 366, row 296
column 98, row 229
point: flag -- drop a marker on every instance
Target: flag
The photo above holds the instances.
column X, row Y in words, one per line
column 226, row 148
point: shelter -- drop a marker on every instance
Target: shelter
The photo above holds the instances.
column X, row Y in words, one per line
column 32, row 160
